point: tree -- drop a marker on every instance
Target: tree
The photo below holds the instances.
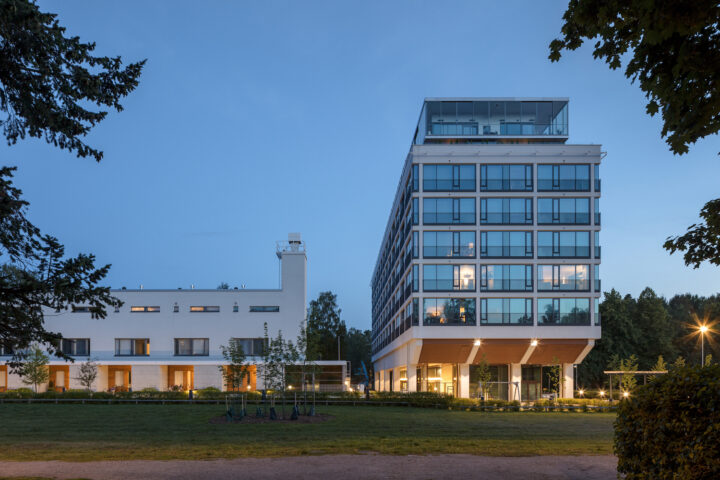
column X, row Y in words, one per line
column 673, row 51
column 35, row 371
column 483, row 376
column 701, row 242
column 651, row 316
column 555, row 377
column 223, row 286
column 236, row 371
column 325, row 328
column 629, row 365
column 88, row 373
column 48, row 82
column 660, row 366
column 358, row 351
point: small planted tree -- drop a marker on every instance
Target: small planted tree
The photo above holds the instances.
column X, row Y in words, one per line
column 555, row 377
column 35, row 371
column 483, row 376
column 88, row 373
column 628, row 381
column 236, row 371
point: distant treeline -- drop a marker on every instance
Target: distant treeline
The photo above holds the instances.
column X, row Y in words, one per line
column 647, row 327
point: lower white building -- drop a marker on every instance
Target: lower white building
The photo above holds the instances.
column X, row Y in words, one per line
column 171, row 339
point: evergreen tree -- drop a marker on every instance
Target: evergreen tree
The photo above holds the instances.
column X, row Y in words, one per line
column 325, row 328
column 652, row 319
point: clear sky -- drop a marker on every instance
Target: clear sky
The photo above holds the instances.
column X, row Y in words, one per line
column 254, row 119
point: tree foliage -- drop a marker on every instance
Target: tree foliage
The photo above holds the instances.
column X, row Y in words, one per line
column 701, row 242
column 237, row 371
column 35, row 370
column 672, row 51
column 48, row 83
column 35, row 275
column 87, row 374
column 325, row 327
column 47, row 80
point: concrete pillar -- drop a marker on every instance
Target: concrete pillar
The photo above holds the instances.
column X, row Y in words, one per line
column 396, row 379
column 464, row 381
column 412, row 378
column 568, row 384
column 514, row 379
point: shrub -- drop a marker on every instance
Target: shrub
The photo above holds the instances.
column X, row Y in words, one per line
column 670, row 428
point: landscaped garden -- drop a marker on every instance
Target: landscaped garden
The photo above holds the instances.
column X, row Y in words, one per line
column 76, row 432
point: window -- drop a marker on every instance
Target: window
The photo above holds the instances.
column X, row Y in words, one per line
column 506, row 178
column 132, row 347
column 80, row 309
column 597, row 311
column 564, row 211
column 564, row 311
column 597, row 211
column 448, row 211
column 506, row 311
column 508, row 211
column 236, row 308
column 506, row 245
column 449, row 178
column 252, row 347
column 415, row 244
column 448, row 311
column 443, row 278
column 596, row 173
column 564, row 244
column 506, row 278
column 563, row 278
column 144, row 309
column 415, row 178
column 176, row 308
column 448, row 244
column 191, row 346
column 563, row 178
column 6, row 351
column 75, row 347
column 597, row 244
column 415, row 278
column 415, row 314
column 596, row 277
column 415, row 211
column 264, row 308
column 208, row 309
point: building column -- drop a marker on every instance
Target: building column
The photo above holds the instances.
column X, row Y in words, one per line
column 412, row 378
column 568, row 386
column 396, row 379
column 514, row 380
column 464, row 381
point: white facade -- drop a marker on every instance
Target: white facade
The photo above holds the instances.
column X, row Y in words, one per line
column 166, row 338
column 416, row 345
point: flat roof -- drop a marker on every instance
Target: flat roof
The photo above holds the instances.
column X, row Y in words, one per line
column 497, row 99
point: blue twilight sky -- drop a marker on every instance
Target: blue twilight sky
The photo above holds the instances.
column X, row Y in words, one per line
column 254, row 119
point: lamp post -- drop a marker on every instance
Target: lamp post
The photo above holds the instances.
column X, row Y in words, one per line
column 703, row 329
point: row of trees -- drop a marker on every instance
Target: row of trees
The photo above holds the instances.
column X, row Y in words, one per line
column 648, row 327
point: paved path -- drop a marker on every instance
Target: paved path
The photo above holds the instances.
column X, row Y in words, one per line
column 330, row 467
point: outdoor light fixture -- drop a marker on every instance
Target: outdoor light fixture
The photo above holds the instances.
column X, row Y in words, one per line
column 703, row 329
column 581, row 392
column 602, row 393
column 477, row 342
column 533, row 342
column 626, row 394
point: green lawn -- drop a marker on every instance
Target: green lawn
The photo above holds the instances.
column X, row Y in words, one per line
column 115, row 432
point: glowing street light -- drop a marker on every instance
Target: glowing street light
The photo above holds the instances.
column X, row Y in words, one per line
column 626, row 394
column 602, row 393
column 581, row 392
column 702, row 329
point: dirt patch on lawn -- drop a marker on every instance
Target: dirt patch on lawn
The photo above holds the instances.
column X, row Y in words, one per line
column 317, row 418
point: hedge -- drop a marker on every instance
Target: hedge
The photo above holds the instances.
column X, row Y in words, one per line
column 670, row 428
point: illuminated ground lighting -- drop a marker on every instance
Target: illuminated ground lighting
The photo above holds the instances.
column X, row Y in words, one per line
column 477, row 342
column 626, row 394
column 581, row 392
column 602, row 393
column 533, row 342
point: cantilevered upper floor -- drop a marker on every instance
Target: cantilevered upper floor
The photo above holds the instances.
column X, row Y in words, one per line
column 493, row 120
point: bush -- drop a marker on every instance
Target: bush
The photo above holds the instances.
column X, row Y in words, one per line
column 670, row 428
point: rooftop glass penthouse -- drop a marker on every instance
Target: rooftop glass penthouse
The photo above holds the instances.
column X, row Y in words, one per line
column 493, row 120
column 491, row 252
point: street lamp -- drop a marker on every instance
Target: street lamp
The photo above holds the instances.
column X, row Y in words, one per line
column 702, row 329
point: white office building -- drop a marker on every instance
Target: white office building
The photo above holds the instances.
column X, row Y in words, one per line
column 171, row 339
column 491, row 253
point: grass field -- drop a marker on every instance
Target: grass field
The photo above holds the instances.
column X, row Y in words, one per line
column 119, row 432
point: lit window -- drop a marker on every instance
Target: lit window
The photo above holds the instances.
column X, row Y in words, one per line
column 144, row 309
column 205, row 309
column 132, row 347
